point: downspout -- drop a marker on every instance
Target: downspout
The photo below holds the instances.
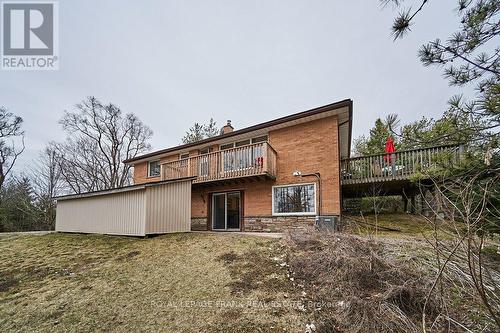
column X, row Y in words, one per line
column 318, row 176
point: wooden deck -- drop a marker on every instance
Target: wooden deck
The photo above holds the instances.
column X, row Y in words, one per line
column 255, row 160
column 398, row 166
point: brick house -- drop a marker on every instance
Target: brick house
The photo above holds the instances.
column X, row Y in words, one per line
column 268, row 177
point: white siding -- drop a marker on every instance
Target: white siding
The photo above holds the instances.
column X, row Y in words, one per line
column 156, row 208
column 116, row 213
column 168, row 208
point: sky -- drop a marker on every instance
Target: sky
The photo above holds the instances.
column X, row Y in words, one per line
column 173, row 63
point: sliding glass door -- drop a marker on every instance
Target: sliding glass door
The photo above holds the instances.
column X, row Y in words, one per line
column 219, row 212
column 233, row 210
column 226, row 211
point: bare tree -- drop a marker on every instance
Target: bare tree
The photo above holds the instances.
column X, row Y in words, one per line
column 46, row 174
column 470, row 213
column 10, row 129
column 46, row 180
column 374, row 194
column 99, row 138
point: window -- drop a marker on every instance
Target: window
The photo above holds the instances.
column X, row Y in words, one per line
column 204, row 162
column 154, row 168
column 259, row 139
column 184, row 159
column 242, row 143
column 243, row 158
column 205, row 151
column 299, row 199
column 257, row 153
column 227, row 146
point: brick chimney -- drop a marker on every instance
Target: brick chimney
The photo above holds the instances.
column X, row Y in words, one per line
column 227, row 128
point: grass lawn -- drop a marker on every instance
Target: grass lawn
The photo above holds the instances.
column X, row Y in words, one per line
column 404, row 225
column 72, row 282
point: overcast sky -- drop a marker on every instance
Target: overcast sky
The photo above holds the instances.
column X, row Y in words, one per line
column 176, row 62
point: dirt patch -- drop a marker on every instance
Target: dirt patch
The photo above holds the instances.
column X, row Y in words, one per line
column 254, row 270
column 7, row 282
column 68, row 282
column 229, row 258
column 129, row 255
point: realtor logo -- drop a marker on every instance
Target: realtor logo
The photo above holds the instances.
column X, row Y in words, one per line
column 29, row 35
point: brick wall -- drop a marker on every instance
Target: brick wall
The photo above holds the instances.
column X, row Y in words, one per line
column 141, row 170
column 309, row 147
column 257, row 198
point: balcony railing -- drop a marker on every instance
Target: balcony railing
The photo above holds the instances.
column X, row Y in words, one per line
column 398, row 165
column 253, row 160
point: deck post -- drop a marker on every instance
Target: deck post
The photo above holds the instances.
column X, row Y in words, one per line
column 393, row 165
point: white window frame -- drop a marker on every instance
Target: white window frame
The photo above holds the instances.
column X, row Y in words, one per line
column 226, row 144
column 225, row 210
column 296, row 213
column 208, row 149
column 183, row 158
column 149, row 169
column 258, row 137
column 248, row 142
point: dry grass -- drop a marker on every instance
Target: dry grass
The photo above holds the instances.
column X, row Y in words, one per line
column 367, row 285
column 341, row 282
column 408, row 226
column 64, row 282
column 366, row 291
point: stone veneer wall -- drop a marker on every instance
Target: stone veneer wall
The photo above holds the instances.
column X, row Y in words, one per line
column 278, row 223
column 199, row 223
column 263, row 223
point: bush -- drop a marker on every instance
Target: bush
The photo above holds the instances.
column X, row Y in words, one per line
column 370, row 291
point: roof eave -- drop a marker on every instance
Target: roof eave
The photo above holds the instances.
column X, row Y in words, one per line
column 325, row 108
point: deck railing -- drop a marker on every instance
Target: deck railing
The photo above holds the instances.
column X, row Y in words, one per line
column 252, row 160
column 398, row 165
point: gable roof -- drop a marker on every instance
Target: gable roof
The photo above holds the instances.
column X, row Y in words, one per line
column 347, row 103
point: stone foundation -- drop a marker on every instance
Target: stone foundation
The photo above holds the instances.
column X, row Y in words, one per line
column 263, row 223
column 199, row 224
column 278, row 223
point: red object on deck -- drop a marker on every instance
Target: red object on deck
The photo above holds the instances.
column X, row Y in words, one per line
column 389, row 149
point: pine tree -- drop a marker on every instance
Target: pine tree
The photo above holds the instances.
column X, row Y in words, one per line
column 469, row 56
column 375, row 143
column 198, row 132
column 18, row 211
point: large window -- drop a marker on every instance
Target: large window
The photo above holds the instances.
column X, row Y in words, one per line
column 204, row 161
column 227, row 146
column 297, row 199
column 240, row 159
column 184, row 159
column 154, row 168
column 205, row 150
column 260, row 139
